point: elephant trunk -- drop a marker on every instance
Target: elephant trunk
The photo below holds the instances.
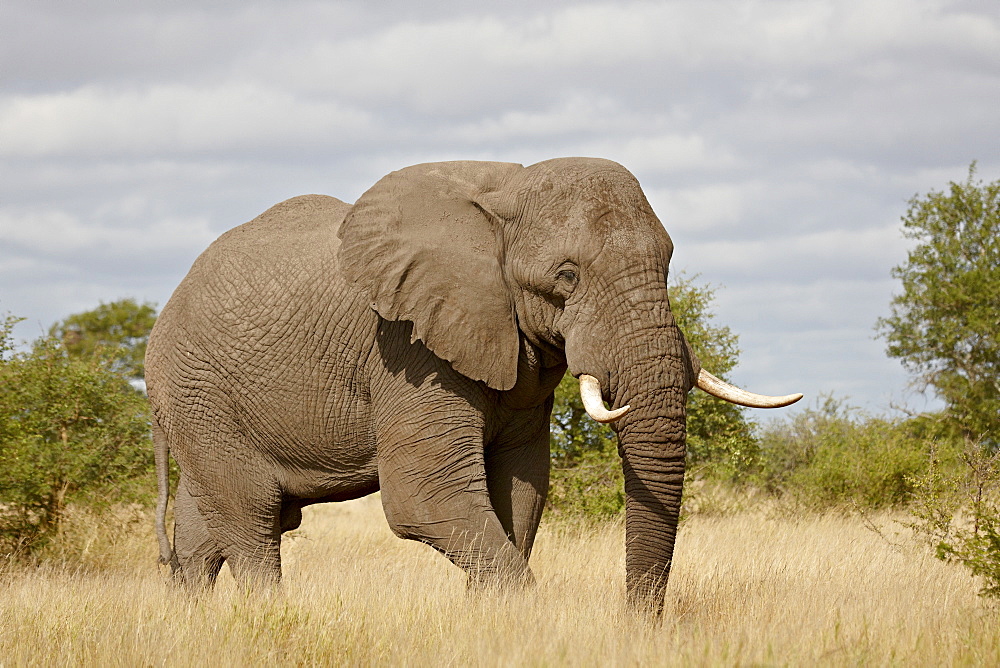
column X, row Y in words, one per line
column 652, row 446
column 651, row 428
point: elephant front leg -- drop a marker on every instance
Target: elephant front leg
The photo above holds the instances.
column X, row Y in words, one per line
column 517, row 470
column 433, row 480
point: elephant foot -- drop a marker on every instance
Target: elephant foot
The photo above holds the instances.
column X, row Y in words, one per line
column 646, row 597
column 511, row 577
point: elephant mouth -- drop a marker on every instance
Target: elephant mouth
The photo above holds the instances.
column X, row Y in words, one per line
column 593, row 403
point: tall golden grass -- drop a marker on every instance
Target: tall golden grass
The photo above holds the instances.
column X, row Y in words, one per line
column 747, row 588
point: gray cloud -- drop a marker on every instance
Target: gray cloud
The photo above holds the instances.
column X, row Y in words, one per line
column 778, row 141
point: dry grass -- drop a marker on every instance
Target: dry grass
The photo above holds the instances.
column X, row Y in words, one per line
column 747, row 589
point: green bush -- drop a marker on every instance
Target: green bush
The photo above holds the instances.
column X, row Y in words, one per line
column 721, row 444
column 958, row 511
column 118, row 332
column 592, row 487
column 586, row 477
column 943, row 326
column 71, row 429
column 835, row 456
column 720, row 436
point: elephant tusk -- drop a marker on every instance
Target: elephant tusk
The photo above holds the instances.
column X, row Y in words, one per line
column 723, row 390
column 590, row 393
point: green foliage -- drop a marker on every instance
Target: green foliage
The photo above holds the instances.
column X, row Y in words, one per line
column 70, row 429
column 593, row 486
column 958, row 511
column 586, row 475
column 118, row 330
column 720, row 437
column 945, row 330
column 944, row 324
column 586, row 471
column 574, row 434
column 833, row 456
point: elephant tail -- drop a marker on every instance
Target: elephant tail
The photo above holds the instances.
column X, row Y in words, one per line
column 161, row 455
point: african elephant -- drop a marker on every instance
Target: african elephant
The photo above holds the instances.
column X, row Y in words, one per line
column 411, row 344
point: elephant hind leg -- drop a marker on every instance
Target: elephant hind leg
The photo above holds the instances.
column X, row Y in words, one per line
column 197, row 558
column 236, row 523
column 249, row 531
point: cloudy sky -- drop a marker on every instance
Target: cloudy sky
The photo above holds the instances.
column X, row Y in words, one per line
column 779, row 142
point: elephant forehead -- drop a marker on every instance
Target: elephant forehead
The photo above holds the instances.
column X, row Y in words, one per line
column 620, row 225
column 639, row 238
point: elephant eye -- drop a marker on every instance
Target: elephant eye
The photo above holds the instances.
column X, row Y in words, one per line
column 567, row 275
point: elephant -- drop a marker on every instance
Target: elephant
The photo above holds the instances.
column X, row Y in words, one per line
column 411, row 343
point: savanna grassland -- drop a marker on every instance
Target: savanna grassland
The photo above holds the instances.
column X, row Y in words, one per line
column 758, row 587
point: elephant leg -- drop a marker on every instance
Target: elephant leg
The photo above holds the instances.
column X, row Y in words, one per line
column 196, row 559
column 239, row 504
column 249, row 529
column 517, row 471
column 433, row 480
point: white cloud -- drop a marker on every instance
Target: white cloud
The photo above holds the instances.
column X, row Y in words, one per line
column 576, row 115
column 812, row 336
column 59, row 234
column 778, row 141
column 98, row 121
column 666, row 154
column 868, row 252
column 701, row 208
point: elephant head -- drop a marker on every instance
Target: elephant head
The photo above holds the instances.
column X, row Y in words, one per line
column 565, row 255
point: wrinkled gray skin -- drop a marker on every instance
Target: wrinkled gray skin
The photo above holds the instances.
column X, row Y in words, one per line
column 411, row 344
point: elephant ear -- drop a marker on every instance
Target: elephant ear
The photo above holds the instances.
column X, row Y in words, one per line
column 423, row 248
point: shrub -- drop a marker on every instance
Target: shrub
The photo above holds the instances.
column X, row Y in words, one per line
column 943, row 325
column 836, row 456
column 70, row 429
column 958, row 511
column 586, row 476
column 117, row 331
column 720, row 437
column 593, row 487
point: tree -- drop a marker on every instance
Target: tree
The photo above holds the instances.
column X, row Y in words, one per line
column 119, row 329
column 719, row 435
column 945, row 325
column 587, row 476
column 69, row 427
